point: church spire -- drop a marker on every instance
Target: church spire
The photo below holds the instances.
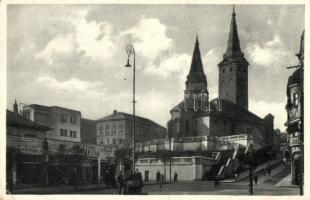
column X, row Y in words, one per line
column 196, row 65
column 233, row 45
column 196, row 73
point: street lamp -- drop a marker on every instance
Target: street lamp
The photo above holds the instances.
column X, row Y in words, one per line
column 131, row 51
column 249, row 158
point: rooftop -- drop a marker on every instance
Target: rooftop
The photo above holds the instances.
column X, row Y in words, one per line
column 121, row 115
column 14, row 119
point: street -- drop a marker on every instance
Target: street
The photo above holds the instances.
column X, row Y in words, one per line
column 264, row 187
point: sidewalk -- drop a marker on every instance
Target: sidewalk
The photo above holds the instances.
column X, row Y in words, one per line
column 63, row 189
column 59, row 189
column 258, row 169
column 286, row 182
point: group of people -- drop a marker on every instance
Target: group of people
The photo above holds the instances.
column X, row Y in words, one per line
column 128, row 180
column 160, row 178
column 267, row 170
column 123, row 181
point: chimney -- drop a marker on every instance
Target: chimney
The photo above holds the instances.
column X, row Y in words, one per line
column 15, row 107
column 114, row 111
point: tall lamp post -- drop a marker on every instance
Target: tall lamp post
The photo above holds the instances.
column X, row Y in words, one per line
column 249, row 158
column 131, row 51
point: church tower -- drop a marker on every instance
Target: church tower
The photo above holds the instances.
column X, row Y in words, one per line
column 233, row 70
column 196, row 79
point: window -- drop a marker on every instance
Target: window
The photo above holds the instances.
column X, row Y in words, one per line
column 120, row 128
column 63, row 132
column 73, row 134
column 27, row 114
column 107, row 129
column 63, row 118
column 187, row 126
column 223, row 70
column 215, row 121
column 100, row 128
column 113, row 128
column 230, row 69
column 73, row 120
column 295, row 99
column 225, row 122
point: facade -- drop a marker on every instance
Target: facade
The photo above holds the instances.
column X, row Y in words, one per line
column 294, row 108
column 227, row 115
column 217, row 130
column 88, row 131
column 65, row 123
column 33, row 157
column 23, row 162
column 116, row 129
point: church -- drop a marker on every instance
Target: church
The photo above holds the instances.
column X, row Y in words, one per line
column 227, row 115
column 205, row 136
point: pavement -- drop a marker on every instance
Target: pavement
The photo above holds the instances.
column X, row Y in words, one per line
column 267, row 185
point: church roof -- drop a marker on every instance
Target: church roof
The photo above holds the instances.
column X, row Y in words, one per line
column 233, row 111
column 196, row 73
column 233, row 50
column 229, row 110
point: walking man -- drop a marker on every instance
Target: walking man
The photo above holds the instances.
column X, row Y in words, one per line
column 255, row 179
column 175, row 178
column 139, row 175
column 162, row 178
column 158, row 177
column 120, row 183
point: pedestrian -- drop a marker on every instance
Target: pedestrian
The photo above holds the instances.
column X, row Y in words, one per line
column 236, row 176
column 158, row 177
column 139, row 175
column 216, row 182
column 162, row 178
column 121, row 183
column 255, row 179
column 269, row 170
column 175, row 178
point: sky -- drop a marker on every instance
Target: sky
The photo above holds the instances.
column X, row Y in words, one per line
column 74, row 55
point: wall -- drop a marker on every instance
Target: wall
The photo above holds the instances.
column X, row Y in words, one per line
column 56, row 113
column 50, row 116
column 108, row 137
column 187, row 168
column 144, row 131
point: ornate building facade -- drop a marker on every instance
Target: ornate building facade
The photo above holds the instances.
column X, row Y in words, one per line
column 295, row 116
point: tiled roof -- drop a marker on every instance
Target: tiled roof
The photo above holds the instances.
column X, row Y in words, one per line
column 14, row 119
column 229, row 110
column 121, row 115
column 48, row 108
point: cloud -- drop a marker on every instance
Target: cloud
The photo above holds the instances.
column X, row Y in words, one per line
column 88, row 38
column 272, row 54
column 71, row 85
column 58, row 47
column 174, row 64
column 262, row 108
column 150, row 38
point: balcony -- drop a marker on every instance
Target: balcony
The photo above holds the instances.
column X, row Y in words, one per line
column 293, row 115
